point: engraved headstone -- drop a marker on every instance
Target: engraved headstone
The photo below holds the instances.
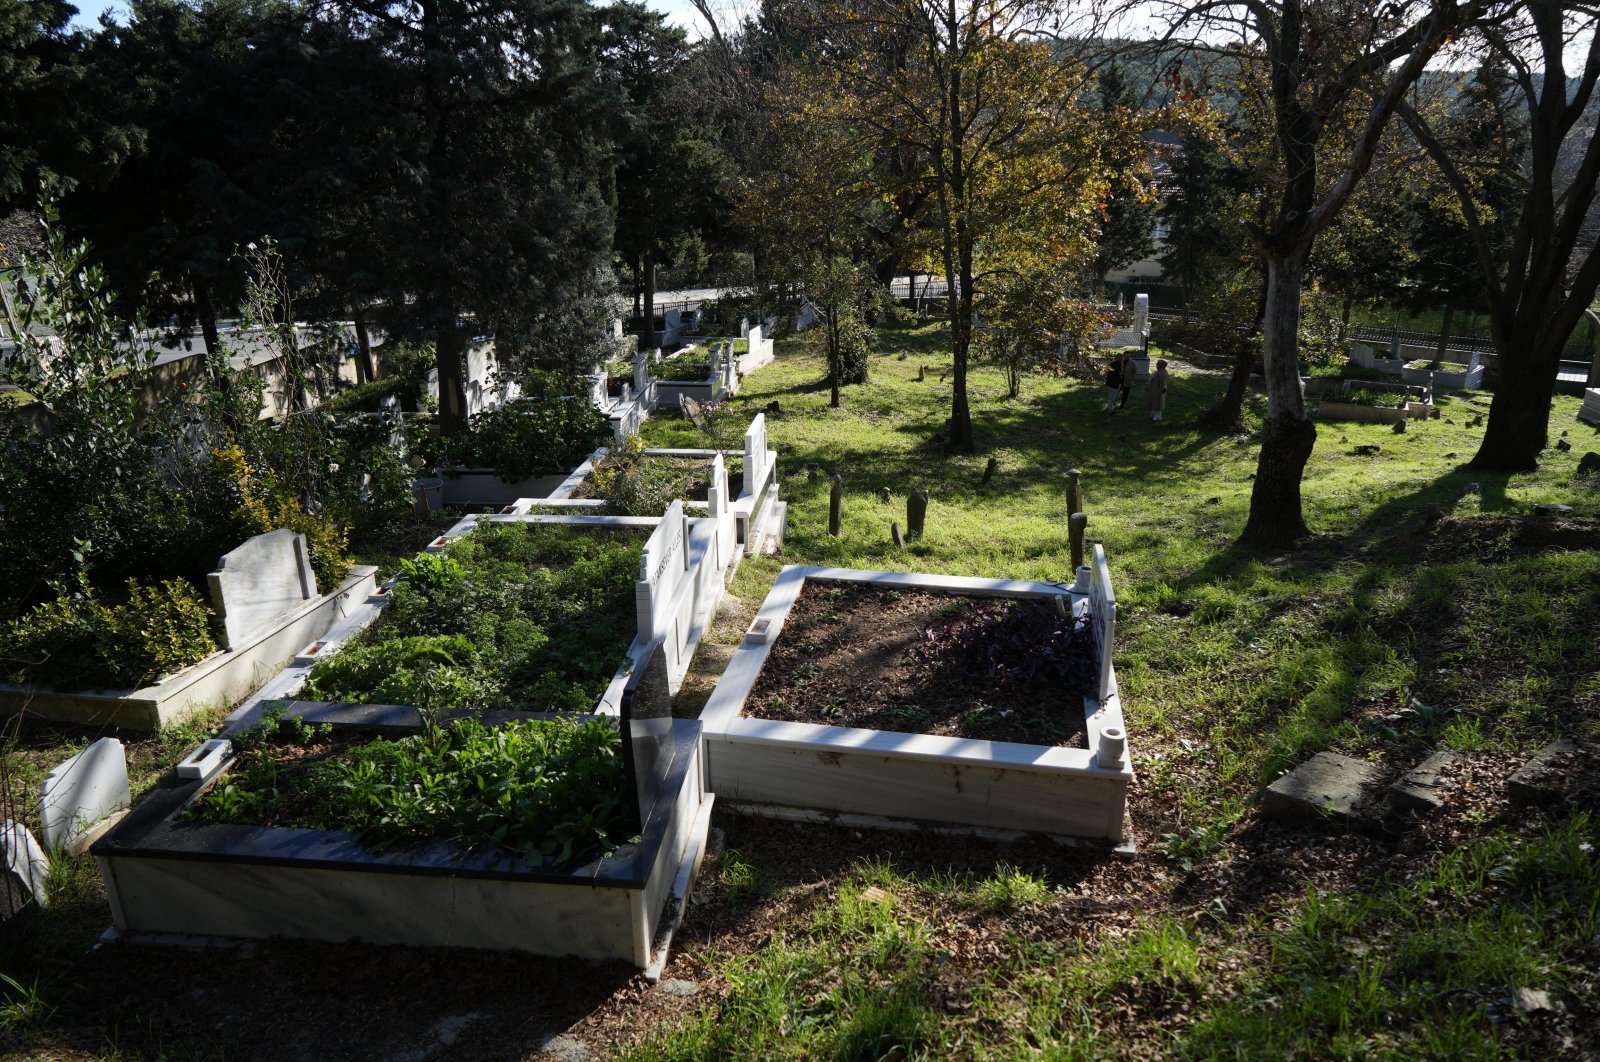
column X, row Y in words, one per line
column 83, row 790
column 264, row 578
column 1103, row 613
column 1141, row 315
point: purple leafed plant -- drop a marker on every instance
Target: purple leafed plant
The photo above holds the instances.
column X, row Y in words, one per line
column 1017, row 647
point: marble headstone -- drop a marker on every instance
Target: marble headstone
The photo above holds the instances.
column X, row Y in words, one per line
column 83, row 790
column 265, row 578
column 1141, row 314
column 26, row 867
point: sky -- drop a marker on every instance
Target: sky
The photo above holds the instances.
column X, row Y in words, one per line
column 679, row 12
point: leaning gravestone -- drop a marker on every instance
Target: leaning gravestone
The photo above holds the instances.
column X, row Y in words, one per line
column 82, row 791
column 26, row 868
column 265, row 578
column 695, row 412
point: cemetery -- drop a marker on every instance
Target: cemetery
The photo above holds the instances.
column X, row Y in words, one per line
column 897, row 532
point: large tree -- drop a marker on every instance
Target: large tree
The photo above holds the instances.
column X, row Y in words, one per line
column 1541, row 278
column 1013, row 166
column 1331, row 64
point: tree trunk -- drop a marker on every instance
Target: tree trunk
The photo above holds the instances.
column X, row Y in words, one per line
column 1444, row 332
column 1344, row 319
column 636, row 290
column 834, row 368
column 1227, row 415
column 647, row 329
column 207, row 315
column 1519, row 415
column 452, row 355
column 1276, row 518
column 366, row 367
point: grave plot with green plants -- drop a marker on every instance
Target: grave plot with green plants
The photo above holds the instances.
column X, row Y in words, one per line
column 550, row 791
column 514, row 616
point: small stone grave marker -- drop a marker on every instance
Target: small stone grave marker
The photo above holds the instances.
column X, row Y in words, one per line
column 1326, row 788
column 83, row 790
column 263, row 579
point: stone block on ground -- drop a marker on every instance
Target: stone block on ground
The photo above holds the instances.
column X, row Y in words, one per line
column 22, row 879
column 1327, row 788
column 1423, row 788
column 1543, row 779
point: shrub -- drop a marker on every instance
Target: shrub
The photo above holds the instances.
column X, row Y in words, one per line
column 369, row 397
column 531, row 436
column 76, row 641
column 263, row 505
column 158, row 630
column 681, row 369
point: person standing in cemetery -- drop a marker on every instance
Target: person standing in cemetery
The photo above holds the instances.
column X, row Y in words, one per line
column 1113, row 384
column 1157, row 397
column 1128, row 373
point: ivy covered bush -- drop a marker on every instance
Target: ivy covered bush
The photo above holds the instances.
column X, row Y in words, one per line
column 513, row 616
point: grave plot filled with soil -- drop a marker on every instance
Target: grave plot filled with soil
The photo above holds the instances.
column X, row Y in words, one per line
column 994, row 668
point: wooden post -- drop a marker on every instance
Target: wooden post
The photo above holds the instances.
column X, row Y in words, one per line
column 1077, row 524
column 916, row 513
column 835, row 498
column 1074, row 495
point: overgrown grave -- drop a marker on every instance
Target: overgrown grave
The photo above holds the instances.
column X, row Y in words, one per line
column 191, row 859
column 750, row 493
column 268, row 604
column 703, row 377
column 982, row 768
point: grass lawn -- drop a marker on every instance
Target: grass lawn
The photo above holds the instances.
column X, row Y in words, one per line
column 1227, row 935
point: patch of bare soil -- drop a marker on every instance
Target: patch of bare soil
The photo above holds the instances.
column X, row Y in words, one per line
column 1496, row 537
column 856, row 656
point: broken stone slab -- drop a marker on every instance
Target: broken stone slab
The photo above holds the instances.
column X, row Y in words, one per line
column 1543, row 779
column 1327, row 788
column 1422, row 789
column 26, row 867
column 81, row 791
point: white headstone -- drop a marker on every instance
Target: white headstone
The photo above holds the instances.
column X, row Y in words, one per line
column 717, row 492
column 266, row 577
column 673, row 320
column 82, row 791
column 755, row 454
column 663, row 567
column 744, row 328
column 26, row 868
column 1103, row 615
column 1141, row 314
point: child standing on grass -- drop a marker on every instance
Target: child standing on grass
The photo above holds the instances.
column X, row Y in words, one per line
column 1158, row 390
column 1129, row 374
column 1113, row 385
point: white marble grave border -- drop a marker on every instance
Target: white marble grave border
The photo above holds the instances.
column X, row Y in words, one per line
column 922, row 777
column 219, row 680
column 167, row 876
